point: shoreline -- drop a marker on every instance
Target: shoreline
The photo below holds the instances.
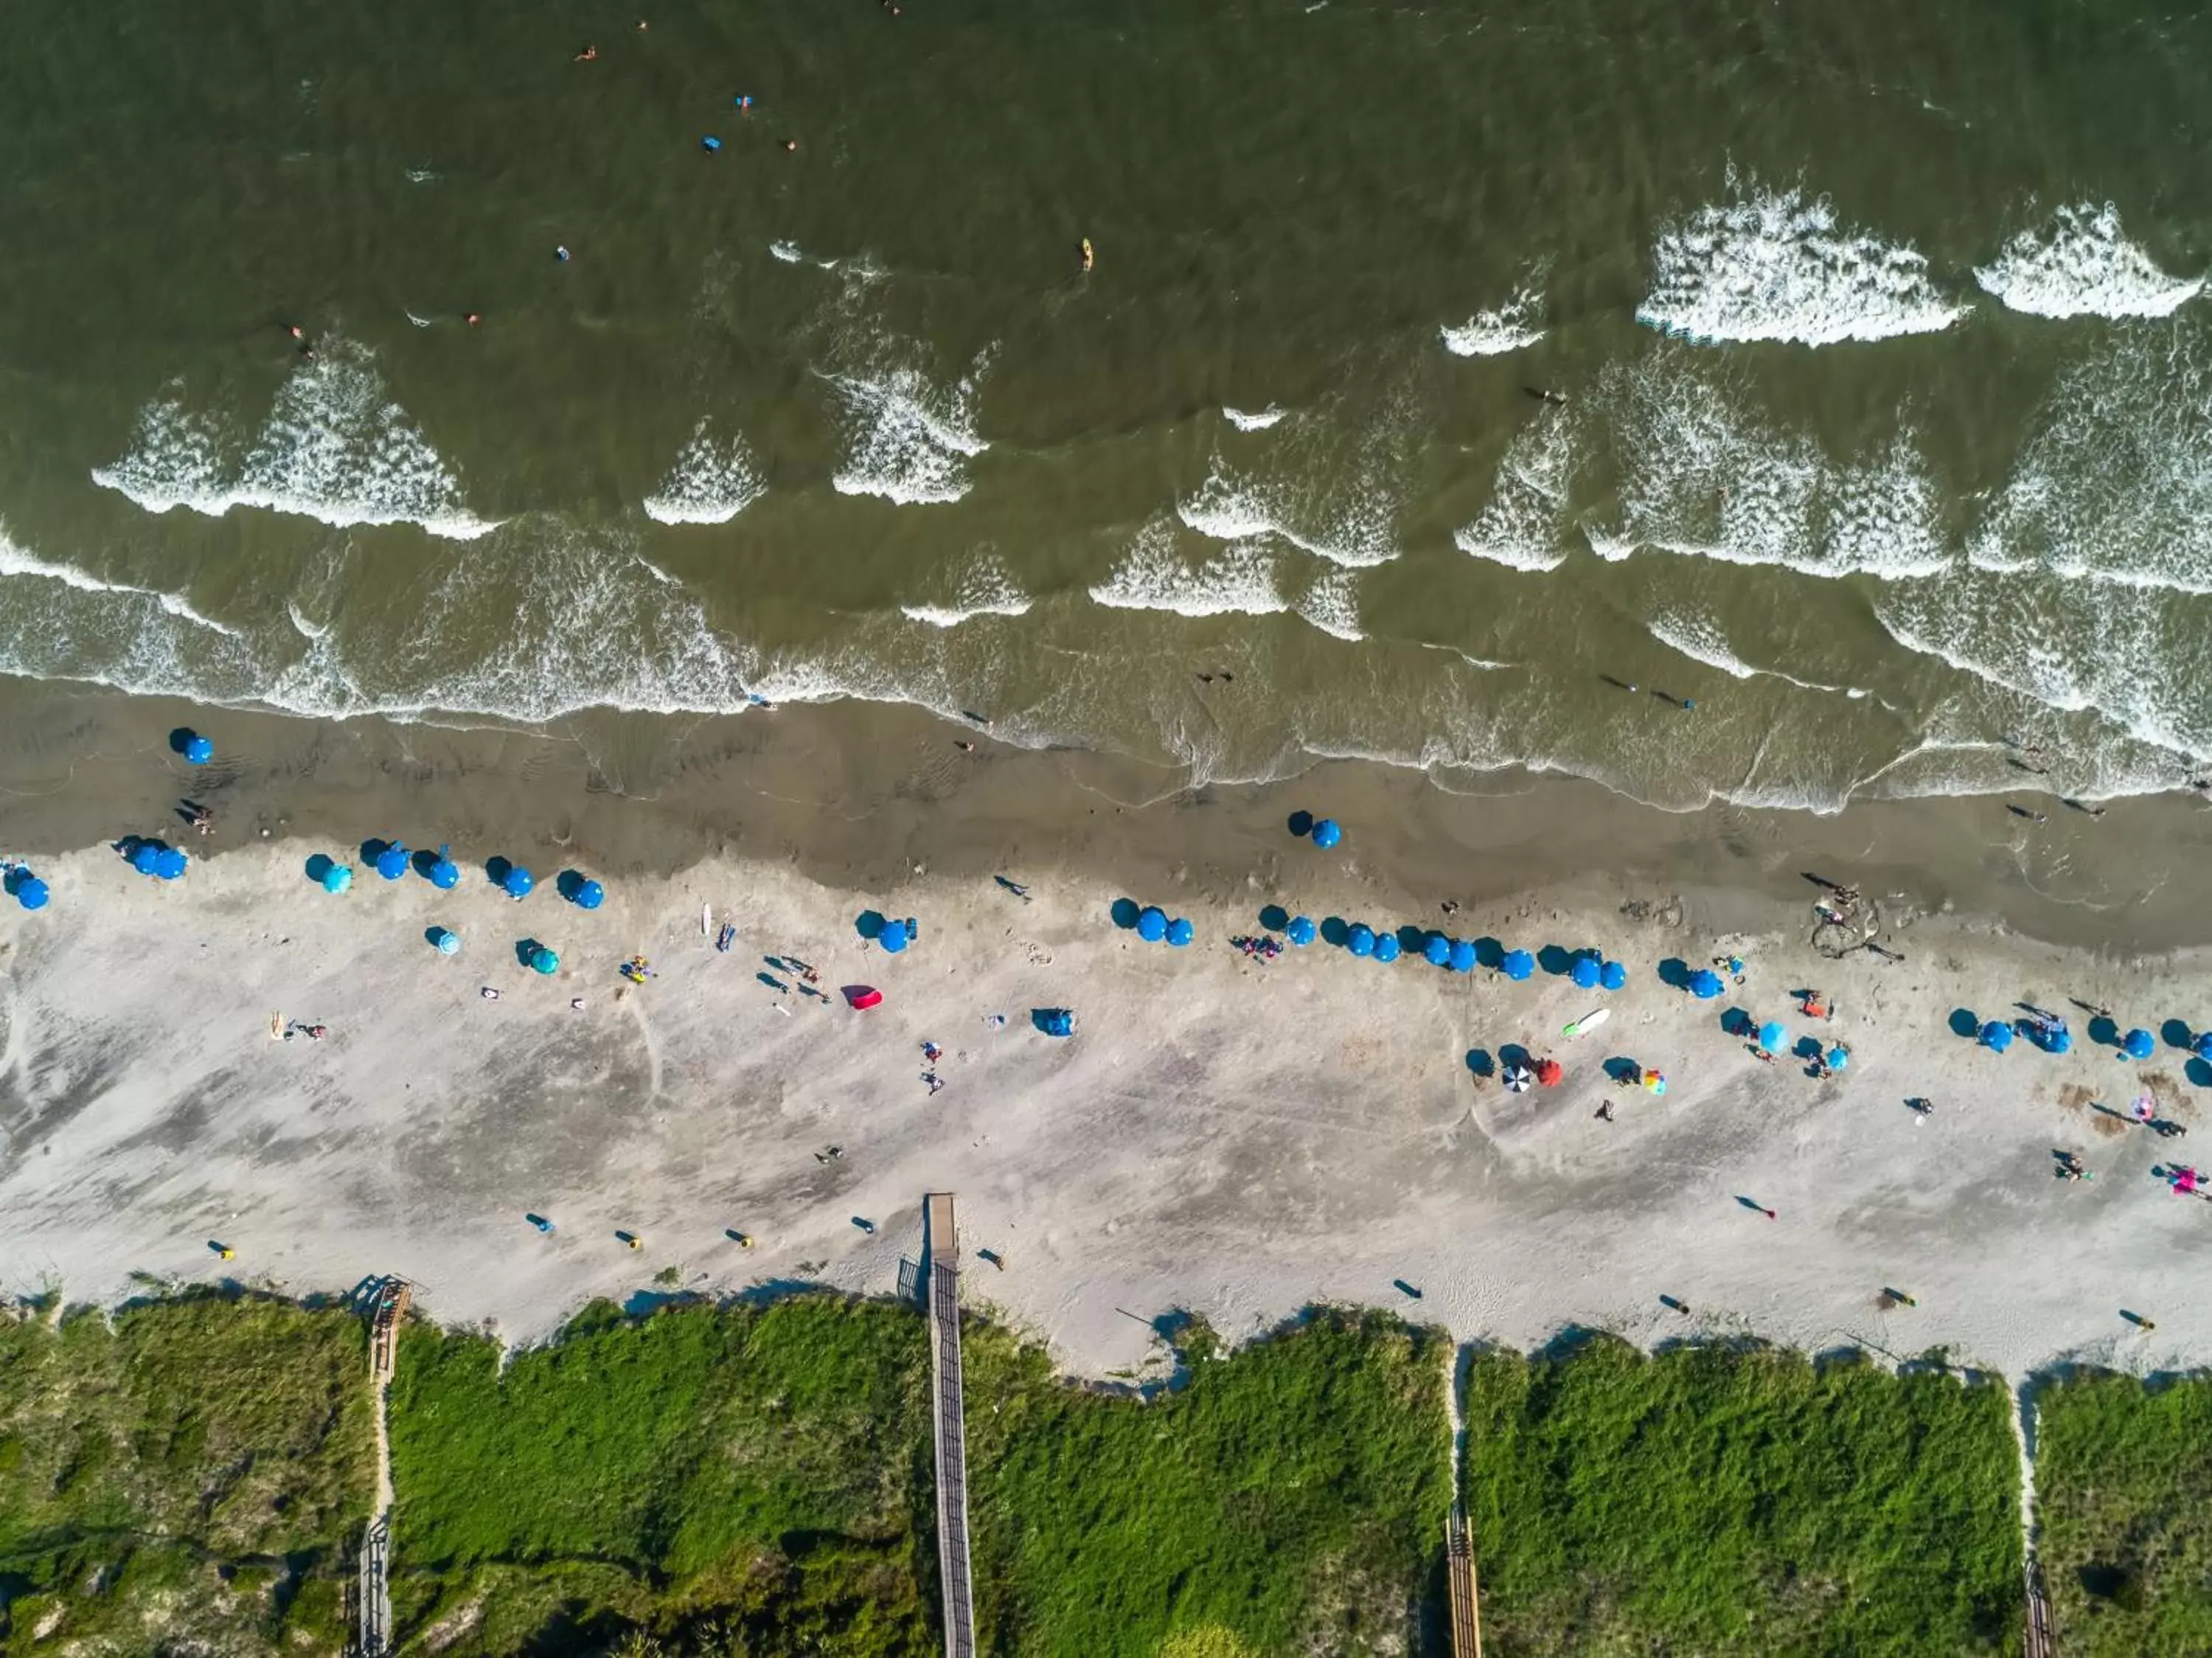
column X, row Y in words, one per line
column 1234, row 1139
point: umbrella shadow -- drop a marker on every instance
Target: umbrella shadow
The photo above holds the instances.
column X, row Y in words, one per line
column 870, row 924
column 1555, row 960
column 1125, row 913
column 1488, row 953
column 1273, row 917
column 1510, row 1054
column 1335, row 929
column 1480, row 1062
column 1674, row 973
column 2176, row 1034
column 1621, row 1068
column 497, row 869
column 318, row 866
column 1300, row 824
column 2198, row 1073
column 525, row 948
column 1735, row 1021
column 1966, row 1023
column 2105, row 1032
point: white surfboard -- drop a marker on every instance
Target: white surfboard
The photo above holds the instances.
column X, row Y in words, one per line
column 1589, row 1022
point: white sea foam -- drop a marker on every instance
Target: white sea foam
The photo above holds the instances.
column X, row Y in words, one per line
column 1244, row 421
column 14, row 561
column 1353, row 524
column 2137, row 660
column 1773, row 265
column 58, row 622
column 984, row 588
column 711, row 482
column 1524, row 525
column 1704, row 476
column 2081, row 264
column 1242, row 579
column 2115, row 485
column 1513, row 326
column 1332, row 605
column 789, row 252
column 334, row 448
column 905, row 437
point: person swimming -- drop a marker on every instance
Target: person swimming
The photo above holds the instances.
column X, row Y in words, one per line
column 1090, row 256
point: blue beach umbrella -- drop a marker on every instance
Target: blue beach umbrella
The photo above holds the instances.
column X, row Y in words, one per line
column 1435, row 949
column 1706, row 985
column 1360, row 941
column 543, row 961
column 338, row 877
column 1772, row 1037
column 445, row 874
column 170, row 863
column 590, row 895
column 893, row 938
column 146, row 858
column 1997, row 1036
column 392, row 861
column 1325, row 833
column 446, row 940
column 1301, row 930
column 2138, row 1044
column 1583, row 970
column 1386, row 947
column 1462, row 955
column 2060, row 1040
column 1519, row 965
column 31, row 892
column 1838, row 1058
column 2203, row 1047
column 1180, row 932
column 198, row 750
column 1612, row 976
column 519, row 881
column 1152, row 924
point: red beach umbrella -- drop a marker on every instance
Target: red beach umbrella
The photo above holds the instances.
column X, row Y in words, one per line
column 863, row 996
column 1549, row 1072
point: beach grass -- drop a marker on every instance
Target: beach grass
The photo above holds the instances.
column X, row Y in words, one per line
column 191, row 1473
column 2124, row 1520
column 1288, row 1499
column 1720, row 1499
column 764, row 1470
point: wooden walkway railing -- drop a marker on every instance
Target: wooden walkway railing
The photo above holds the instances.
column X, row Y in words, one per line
column 1459, row 1575
column 2041, row 1643
column 951, row 1429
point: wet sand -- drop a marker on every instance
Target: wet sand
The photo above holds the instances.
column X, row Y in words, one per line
column 1223, row 1136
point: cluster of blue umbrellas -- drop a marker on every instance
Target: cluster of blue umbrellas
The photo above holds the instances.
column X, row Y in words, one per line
column 25, row 889
column 1456, row 955
column 1589, row 971
column 1153, row 926
column 151, row 858
column 1364, row 941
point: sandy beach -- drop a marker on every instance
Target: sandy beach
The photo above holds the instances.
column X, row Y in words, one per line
column 1232, row 1139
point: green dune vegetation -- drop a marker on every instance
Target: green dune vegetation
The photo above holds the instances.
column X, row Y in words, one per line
column 1740, row 1500
column 756, row 1481
column 762, row 1482
column 1289, row 1499
column 187, row 1476
column 192, row 1474
column 2124, row 1511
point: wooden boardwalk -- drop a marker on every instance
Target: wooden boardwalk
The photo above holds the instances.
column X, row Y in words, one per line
column 1459, row 1575
column 951, row 1429
column 387, row 1308
column 2041, row 1643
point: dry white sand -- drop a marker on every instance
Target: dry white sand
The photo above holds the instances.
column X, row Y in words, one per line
column 1234, row 1139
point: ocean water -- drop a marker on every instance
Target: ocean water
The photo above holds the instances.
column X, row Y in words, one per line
column 1445, row 372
